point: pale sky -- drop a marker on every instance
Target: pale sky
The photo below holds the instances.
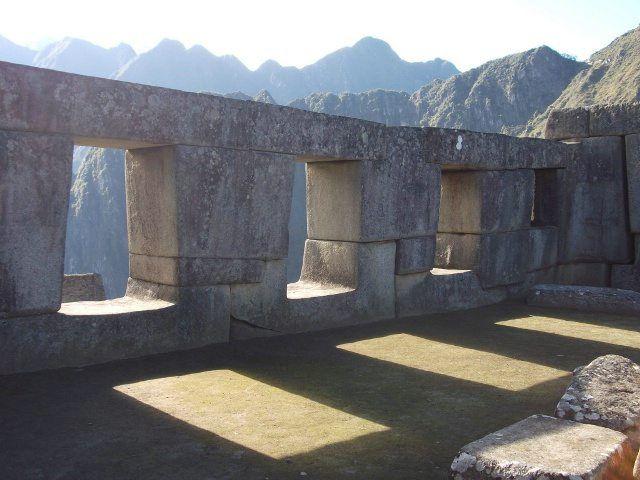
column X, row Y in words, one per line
column 299, row 32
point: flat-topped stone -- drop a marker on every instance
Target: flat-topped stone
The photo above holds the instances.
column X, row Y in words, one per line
column 82, row 287
column 543, row 447
column 594, row 299
column 567, row 123
column 605, row 392
column 593, row 121
column 617, row 119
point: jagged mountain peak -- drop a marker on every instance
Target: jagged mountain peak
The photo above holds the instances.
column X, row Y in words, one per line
column 83, row 57
column 612, row 76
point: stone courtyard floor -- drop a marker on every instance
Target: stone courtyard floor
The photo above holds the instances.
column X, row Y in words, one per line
column 389, row 400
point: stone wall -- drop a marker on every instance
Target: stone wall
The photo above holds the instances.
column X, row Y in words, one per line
column 599, row 209
column 401, row 221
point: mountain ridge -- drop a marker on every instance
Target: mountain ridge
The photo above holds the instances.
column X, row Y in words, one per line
column 368, row 64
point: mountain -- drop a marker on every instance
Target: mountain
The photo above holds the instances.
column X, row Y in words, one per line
column 383, row 106
column 97, row 221
column 79, row 56
column 10, row 52
column 370, row 63
column 171, row 65
column 613, row 76
column 499, row 96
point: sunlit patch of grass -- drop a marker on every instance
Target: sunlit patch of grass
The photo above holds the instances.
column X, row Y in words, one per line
column 455, row 361
column 250, row 413
column 575, row 329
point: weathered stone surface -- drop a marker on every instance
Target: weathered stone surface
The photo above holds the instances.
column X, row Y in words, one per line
column 593, row 299
column 497, row 258
column 139, row 324
column 586, row 274
column 626, row 277
column 182, row 271
column 463, row 149
column 440, row 291
column 567, row 123
column 415, row 254
column 543, row 447
column 342, row 283
column 543, row 248
column 372, row 200
column 605, row 392
column 537, row 153
column 35, row 178
column 82, row 287
column 620, row 119
column 632, row 144
column 208, row 202
column 140, row 115
column 262, row 304
column 593, row 206
column 486, row 202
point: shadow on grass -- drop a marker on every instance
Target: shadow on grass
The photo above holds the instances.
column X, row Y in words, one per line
column 72, row 423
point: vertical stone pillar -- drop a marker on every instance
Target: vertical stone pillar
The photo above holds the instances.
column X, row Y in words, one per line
column 35, row 179
column 484, row 220
column 368, row 220
column 204, row 215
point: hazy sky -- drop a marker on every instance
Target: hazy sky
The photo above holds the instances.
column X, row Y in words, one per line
column 292, row 32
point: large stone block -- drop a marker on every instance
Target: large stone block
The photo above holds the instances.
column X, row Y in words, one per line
column 462, row 149
column 605, row 392
column 486, row 201
column 208, row 202
column 342, row 283
column 372, row 200
column 626, row 277
column 588, row 299
column 415, row 254
column 82, row 287
column 619, row 119
column 182, row 271
column 442, row 290
column 589, row 274
column 544, row 447
column 35, row 178
column 567, row 123
column 543, row 248
column 593, row 213
column 262, row 304
column 497, row 258
column 632, row 144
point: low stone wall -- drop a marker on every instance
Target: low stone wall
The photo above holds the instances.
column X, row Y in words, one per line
column 401, row 220
column 82, row 287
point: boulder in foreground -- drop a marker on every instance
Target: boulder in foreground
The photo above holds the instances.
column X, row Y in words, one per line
column 543, row 447
column 605, row 392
